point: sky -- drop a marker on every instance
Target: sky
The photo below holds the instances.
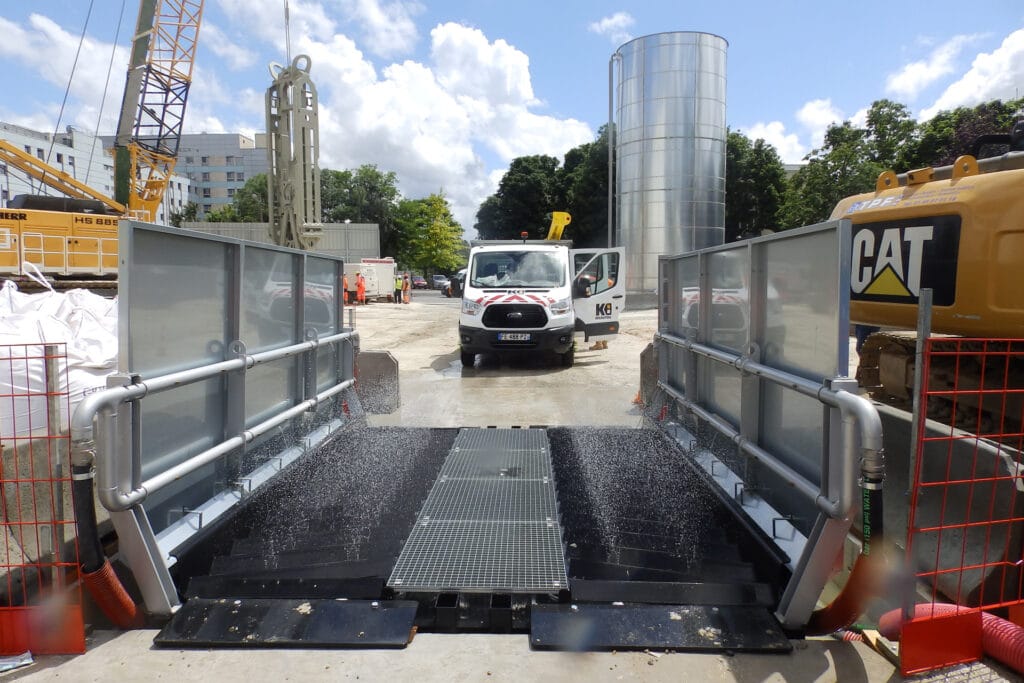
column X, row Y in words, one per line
column 446, row 93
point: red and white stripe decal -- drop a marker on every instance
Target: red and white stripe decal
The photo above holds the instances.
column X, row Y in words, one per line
column 515, row 297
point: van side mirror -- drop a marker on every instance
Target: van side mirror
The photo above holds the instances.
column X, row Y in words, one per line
column 581, row 288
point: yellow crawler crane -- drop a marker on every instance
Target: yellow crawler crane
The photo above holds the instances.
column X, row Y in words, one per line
column 76, row 235
column 958, row 230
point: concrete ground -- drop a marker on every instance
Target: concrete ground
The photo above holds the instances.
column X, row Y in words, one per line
column 437, row 392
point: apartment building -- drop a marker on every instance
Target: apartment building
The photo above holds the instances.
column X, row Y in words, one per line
column 218, row 164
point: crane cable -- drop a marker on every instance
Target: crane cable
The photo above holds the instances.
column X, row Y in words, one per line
column 106, row 85
column 67, row 89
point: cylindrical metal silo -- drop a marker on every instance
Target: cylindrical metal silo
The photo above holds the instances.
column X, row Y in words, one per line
column 668, row 104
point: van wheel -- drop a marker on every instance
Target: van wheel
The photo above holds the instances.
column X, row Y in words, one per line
column 468, row 359
column 568, row 358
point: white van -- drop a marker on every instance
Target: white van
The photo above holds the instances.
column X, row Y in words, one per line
column 535, row 296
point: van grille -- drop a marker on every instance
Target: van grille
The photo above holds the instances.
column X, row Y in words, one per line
column 512, row 316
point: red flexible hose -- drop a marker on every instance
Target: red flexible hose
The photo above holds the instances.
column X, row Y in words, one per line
column 1001, row 640
column 867, row 577
column 111, row 597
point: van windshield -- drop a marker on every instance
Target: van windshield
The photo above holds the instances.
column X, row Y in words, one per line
column 517, row 270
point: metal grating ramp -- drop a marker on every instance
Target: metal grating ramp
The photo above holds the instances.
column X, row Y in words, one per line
column 490, row 522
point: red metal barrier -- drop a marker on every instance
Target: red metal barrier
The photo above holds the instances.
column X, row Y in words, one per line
column 40, row 597
column 967, row 504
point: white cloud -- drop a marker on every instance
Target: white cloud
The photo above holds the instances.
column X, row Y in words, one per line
column 816, row 116
column 236, row 56
column 263, row 21
column 450, row 123
column 909, row 81
column 432, row 123
column 388, row 28
column 616, row 27
column 788, row 145
column 466, row 63
column 994, row 75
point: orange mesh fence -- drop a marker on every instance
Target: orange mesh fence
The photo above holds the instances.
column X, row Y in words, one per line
column 967, row 506
column 40, row 598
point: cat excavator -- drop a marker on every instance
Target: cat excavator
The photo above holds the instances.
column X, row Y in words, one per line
column 959, row 231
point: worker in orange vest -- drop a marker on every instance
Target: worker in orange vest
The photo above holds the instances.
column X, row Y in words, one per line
column 360, row 288
column 344, row 287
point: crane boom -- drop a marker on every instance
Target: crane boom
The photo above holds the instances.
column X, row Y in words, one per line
column 58, row 180
column 153, row 109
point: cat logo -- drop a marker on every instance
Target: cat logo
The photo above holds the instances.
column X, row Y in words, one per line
column 893, row 260
column 604, row 310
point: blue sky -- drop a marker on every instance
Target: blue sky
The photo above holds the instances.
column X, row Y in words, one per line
column 446, row 93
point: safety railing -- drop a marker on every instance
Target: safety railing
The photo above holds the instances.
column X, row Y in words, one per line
column 69, row 255
column 965, row 536
column 753, row 351
column 111, row 452
column 40, row 599
column 862, row 428
column 233, row 360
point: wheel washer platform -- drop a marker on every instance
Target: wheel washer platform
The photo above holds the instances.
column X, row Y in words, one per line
column 566, row 534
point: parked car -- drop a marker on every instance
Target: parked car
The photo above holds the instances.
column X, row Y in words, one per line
column 439, row 282
column 419, row 282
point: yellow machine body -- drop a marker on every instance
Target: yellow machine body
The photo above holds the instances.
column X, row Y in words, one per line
column 961, row 236
column 57, row 242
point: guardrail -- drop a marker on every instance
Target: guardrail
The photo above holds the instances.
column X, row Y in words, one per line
column 69, row 255
column 102, row 407
column 861, row 436
column 753, row 343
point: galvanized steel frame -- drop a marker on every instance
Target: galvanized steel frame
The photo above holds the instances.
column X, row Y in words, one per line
column 108, row 423
column 849, row 425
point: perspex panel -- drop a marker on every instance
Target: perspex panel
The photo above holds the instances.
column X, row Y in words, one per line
column 780, row 301
column 185, row 297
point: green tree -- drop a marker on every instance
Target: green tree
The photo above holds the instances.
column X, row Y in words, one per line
column 365, row 195
column 431, row 237
column 584, row 181
column 527, row 194
column 892, row 134
column 950, row 134
column 251, row 200
column 840, row 168
column 188, row 214
column 226, row 213
column 755, row 183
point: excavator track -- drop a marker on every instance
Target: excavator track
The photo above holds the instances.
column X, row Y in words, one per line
column 886, row 372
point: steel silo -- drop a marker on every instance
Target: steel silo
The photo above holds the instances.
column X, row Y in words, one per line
column 667, row 101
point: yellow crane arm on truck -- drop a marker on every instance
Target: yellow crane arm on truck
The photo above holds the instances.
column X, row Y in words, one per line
column 559, row 219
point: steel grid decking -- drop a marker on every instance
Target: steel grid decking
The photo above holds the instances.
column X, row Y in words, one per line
column 489, row 523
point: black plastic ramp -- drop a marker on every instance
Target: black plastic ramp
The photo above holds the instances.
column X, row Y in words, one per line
column 697, row 628
column 289, row 622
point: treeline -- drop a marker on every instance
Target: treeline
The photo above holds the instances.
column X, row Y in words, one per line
column 759, row 195
column 421, row 234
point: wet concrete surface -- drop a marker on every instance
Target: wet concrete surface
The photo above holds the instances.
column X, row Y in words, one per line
column 437, row 392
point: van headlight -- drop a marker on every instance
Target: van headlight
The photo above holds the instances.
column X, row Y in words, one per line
column 471, row 307
column 561, row 307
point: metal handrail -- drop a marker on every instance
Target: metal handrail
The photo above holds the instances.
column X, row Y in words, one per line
column 101, row 408
column 859, row 417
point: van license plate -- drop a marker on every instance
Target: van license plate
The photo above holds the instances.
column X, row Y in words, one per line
column 513, row 336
